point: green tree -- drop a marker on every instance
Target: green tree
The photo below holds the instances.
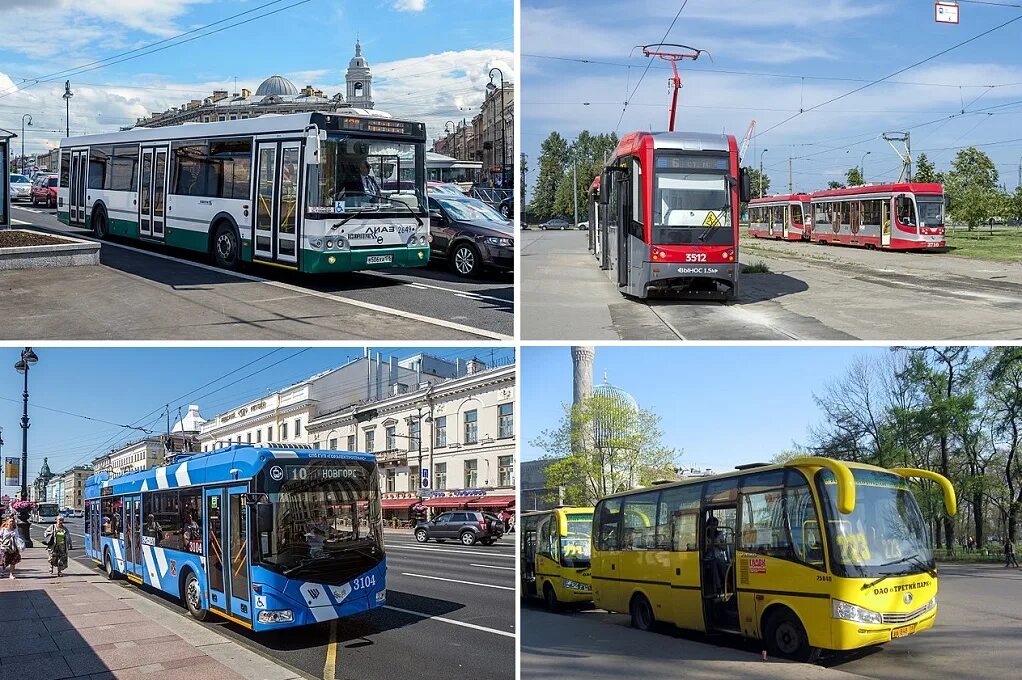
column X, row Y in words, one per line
column 834, row 184
column 603, row 445
column 925, row 171
column 552, row 159
column 760, row 183
column 972, row 185
column 1004, row 371
column 854, row 177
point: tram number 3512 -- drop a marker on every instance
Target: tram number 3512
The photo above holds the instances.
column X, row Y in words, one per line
column 695, row 257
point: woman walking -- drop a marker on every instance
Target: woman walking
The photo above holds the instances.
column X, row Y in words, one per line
column 58, row 542
column 10, row 546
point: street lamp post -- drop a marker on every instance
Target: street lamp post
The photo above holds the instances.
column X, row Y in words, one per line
column 491, row 88
column 67, row 103
column 28, row 358
column 862, row 166
column 761, row 171
column 29, row 116
column 450, row 128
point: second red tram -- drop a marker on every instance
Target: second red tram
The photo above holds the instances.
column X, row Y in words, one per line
column 668, row 221
column 904, row 216
column 788, row 217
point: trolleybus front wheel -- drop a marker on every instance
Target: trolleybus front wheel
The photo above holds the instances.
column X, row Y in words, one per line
column 786, row 636
column 550, row 597
column 642, row 613
column 193, row 598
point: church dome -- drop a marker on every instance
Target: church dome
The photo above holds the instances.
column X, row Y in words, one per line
column 278, row 85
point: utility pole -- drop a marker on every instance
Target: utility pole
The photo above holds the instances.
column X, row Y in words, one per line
column 574, row 187
column 67, row 103
column 761, row 171
column 789, row 174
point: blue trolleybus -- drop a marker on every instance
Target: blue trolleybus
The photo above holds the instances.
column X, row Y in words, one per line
column 265, row 537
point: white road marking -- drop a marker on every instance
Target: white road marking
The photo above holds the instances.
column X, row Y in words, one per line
column 490, row 566
column 475, row 296
column 478, row 553
column 454, row 580
column 297, row 289
column 450, row 621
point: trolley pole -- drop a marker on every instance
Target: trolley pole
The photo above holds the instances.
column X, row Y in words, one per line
column 761, row 171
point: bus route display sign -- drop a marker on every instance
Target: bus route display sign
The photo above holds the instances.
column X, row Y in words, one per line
column 945, row 12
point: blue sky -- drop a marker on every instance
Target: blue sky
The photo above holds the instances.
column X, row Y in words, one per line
column 723, row 406
column 769, row 61
column 430, row 58
column 125, row 384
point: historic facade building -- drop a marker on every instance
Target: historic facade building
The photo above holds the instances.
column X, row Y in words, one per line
column 276, row 94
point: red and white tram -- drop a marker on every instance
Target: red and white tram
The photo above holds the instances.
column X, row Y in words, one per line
column 668, row 218
column 906, row 216
column 787, row 217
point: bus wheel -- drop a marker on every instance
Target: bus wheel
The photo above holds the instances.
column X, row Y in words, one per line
column 642, row 613
column 108, row 566
column 99, row 224
column 550, row 598
column 226, row 247
column 193, row 598
column 786, row 636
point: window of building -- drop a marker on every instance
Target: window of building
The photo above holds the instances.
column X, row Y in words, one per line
column 391, row 437
column 471, row 473
column 440, row 432
column 413, row 435
column 370, row 441
column 351, row 443
column 269, row 434
column 391, row 481
column 505, row 421
column 283, row 431
column 248, row 437
column 505, row 470
column 259, row 436
column 440, row 476
column 333, row 443
column 298, row 428
column 471, row 427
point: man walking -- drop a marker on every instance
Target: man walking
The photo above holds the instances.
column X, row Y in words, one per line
column 1009, row 554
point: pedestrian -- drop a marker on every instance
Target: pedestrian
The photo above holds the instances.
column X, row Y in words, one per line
column 58, row 542
column 10, row 546
column 1009, row 554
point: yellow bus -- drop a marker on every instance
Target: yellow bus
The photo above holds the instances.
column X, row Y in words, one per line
column 555, row 554
column 808, row 555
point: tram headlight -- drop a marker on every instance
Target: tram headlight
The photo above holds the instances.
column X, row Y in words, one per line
column 276, row 616
column 847, row 611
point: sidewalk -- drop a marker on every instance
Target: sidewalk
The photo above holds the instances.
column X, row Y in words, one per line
column 84, row 626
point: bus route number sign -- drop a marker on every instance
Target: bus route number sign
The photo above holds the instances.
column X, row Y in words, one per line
column 945, row 12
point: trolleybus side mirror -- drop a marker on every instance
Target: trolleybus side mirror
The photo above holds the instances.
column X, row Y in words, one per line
column 312, row 138
column 264, row 525
column 947, row 203
column 744, row 186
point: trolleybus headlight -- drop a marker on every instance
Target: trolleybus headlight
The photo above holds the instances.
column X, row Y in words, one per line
column 341, row 244
column 276, row 616
column 850, row 612
column 317, row 244
column 329, row 244
column 381, row 596
column 422, row 240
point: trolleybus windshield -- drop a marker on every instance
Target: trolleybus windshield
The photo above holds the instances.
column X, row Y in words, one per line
column 47, row 510
column 931, row 211
column 691, row 200
column 884, row 534
column 576, row 545
column 326, row 520
column 362, row 176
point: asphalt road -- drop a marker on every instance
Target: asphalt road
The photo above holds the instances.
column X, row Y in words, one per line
column 278, row 304
column 450, row 614
column 976, row 635
column 812, row 292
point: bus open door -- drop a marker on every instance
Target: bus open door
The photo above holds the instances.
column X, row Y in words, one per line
column 720, row 601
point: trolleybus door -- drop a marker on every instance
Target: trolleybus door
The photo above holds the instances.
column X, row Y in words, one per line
column 623, row 215
column 94, row 518
column 76, row 188
column 222, row 552
column 789, row 215
column 277, row 215
column 153, row 193
column 885, row 223
column 718, row 568
column 237, row 547
column 132, row 530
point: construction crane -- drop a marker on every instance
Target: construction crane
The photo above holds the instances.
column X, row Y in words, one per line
column 673, row 56
column 746, row 140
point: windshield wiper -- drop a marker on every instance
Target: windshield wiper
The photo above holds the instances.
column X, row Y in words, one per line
column 720, row 220
column 914, row 559
column 345, row 220
column 409, row 209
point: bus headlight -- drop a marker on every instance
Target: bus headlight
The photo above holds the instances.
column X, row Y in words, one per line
column 329, row 244
column 422, row 241
column 850, row 612
column 276, row 616
column 317, row 244
column 341, row 244
column 381, row 597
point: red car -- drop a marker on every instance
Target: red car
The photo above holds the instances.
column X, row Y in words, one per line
column 44, row 190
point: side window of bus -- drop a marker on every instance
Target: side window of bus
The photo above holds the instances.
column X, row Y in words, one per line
column 822, row 210
column 110, row 508
column 639, row 521
column 122, row 174
column 677, row 518
column 608, row 515
column 906, row 210
column 191, row 521
column 763, row 529
column 65, row 170
column 99, row 161
column 805, row 526
column 637, row 203
column 722, row 491
column 162, row 520
column 547, row 541
column 88, row 517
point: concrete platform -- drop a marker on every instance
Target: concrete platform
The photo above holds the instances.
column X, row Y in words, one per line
column 72, row 252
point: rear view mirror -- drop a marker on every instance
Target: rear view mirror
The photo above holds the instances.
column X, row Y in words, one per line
column 437, row 216
column 947, row 203
column 604, row 196
column 312, row 138
column 744, row 186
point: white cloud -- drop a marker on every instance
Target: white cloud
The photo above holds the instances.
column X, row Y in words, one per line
column 410, row 5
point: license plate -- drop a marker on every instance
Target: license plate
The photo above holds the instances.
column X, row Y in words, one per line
column 379, row 259
column 903, row 631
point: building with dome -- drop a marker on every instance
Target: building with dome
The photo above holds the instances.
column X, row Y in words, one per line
column 276, row 94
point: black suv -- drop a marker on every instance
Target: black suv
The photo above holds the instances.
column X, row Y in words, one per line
column 467, row 526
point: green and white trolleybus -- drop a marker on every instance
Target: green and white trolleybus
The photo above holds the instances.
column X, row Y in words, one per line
column 311, row 192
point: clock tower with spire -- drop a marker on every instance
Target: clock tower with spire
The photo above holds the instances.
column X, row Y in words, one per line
column 360, row 80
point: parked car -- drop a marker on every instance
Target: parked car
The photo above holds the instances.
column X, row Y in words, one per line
column 507, row 207
column 556, row 223
column 44, row 191
column 583, row 226
column 21, row 188
column 470, row 235
column 467, row 526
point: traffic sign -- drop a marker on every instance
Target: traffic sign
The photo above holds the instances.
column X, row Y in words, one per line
column 945, row 12
column 425, row 478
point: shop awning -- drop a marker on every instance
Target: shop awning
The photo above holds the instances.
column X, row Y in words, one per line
column 398, row 503
column 446, row 502
column 492, row 502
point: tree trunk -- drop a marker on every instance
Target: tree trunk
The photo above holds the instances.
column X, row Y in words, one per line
column 977, row 516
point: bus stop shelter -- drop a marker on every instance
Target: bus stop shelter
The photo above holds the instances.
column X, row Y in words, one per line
column 5, row 173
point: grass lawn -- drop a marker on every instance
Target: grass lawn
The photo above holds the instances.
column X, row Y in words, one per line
column 1003, row 245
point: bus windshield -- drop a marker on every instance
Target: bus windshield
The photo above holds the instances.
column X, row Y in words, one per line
column 575, row 547
column 327, row 523
column 367, row 176
column 931, row 211
column 885, row 534
column 47, row 510
column 691, row 206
